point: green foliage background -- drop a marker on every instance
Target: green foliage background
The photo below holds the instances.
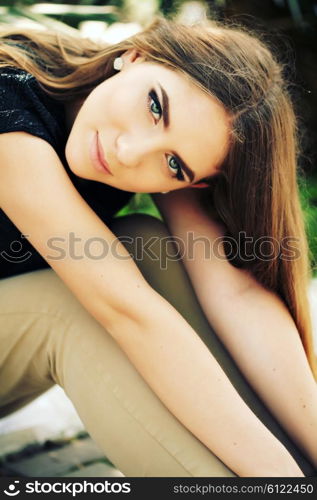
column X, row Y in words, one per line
column 308, row 192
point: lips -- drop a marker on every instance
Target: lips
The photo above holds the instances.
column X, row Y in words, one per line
column 101, row 155
column 97, row 156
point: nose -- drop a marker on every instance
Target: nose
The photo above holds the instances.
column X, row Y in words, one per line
column 133, row 149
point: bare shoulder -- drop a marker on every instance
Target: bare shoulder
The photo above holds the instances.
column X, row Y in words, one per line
column 35, row 189
column 40, row 199
column 26, row 160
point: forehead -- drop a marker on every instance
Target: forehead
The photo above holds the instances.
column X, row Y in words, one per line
column 201, row 121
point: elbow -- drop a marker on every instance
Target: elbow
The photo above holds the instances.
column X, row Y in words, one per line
column 123, row 312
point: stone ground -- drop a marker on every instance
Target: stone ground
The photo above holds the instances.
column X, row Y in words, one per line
column 47, row 438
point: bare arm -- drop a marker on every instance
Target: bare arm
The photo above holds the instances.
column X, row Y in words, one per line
column 259, row 331
column 38, row 196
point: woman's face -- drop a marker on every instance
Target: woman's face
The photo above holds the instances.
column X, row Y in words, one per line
column 157, row 130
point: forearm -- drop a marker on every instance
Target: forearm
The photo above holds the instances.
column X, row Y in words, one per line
column 262, row 338
column 188, row 380
column 258, row 331
column 284, row 368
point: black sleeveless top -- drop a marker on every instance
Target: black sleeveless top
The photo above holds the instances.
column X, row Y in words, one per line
column 24, row 106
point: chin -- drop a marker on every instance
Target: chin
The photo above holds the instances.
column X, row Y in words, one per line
column 74, row 160
column 126, row 188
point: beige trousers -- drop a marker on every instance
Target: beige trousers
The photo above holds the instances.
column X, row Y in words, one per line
column 48, row 338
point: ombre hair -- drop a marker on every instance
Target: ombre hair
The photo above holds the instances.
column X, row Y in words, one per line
column 255, row 191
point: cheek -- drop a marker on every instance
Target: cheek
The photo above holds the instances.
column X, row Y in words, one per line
column 127, row 107
column 94, row 108
column 116, row 103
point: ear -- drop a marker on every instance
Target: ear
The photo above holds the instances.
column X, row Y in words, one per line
column 200, row 185
column 130, row 56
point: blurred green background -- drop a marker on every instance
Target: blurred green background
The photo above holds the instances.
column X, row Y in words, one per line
column 290, row 27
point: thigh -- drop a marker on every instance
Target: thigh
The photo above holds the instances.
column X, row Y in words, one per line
column 27, row 318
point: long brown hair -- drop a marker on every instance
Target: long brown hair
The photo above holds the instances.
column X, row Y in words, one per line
column 255, row 192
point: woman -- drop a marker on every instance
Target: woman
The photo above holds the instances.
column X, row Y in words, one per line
column 170, row 109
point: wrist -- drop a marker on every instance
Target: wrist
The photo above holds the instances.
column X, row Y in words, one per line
column 275, row 461
column 285, row 466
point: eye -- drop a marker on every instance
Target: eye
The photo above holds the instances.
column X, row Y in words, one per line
column 175, row 168
column 155, row 108
column 154, row 105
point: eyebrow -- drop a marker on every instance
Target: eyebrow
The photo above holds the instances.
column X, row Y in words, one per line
column 166, row 121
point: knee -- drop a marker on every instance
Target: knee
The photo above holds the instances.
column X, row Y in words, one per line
column 148, row 241
column 138, row 225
